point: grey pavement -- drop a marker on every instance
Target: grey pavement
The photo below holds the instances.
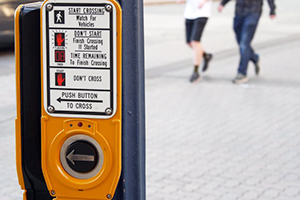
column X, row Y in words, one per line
column 215, row 140
column 212, row 140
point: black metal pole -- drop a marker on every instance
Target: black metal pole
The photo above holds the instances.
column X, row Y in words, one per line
column 132, row 182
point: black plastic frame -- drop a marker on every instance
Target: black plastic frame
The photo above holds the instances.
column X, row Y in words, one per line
column 30, row 98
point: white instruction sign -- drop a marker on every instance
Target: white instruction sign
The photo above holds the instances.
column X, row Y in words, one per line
column 79, row 59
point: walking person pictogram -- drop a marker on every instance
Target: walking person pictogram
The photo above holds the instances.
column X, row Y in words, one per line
column 59, row 17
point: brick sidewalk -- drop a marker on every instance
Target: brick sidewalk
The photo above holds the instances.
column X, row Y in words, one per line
column 219, row 141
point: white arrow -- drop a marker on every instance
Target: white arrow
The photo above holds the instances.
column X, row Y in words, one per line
column 76, row 157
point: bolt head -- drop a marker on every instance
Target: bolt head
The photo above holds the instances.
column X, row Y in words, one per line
column 52, row 192
column 109, row 196
column 51, row 109
column 108, row 8
column 108, row 111
column 49, row 7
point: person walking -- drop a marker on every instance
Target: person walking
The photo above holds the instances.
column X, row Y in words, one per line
column 58, row 18
column 247, row 15
column 196, row 15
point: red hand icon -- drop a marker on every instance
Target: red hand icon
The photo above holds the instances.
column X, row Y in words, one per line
column 59, row 39
column 60, row 79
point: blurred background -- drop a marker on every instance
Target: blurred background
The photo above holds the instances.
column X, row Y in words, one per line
column 212, row 140
column 7, row 10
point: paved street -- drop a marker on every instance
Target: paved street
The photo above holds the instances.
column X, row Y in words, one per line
column 212, row 140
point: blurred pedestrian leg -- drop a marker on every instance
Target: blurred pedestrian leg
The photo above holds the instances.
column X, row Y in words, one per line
column 196, row 15
column 247, row 14
column 245, row 28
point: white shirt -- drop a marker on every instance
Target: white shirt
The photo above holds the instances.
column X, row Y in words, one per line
column 192, row 10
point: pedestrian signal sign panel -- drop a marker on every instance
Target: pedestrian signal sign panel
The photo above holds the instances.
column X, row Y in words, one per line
column 79, row 60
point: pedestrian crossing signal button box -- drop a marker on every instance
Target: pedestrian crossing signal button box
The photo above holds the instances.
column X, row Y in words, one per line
column 81, row 98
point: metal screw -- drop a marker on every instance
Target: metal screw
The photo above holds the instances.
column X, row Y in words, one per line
column 51, row 109
column 108, row 8
column 109, row 196
column 49, row 7
column 108, row 111
column 52, row 192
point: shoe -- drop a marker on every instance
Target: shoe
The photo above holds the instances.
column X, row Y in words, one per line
column 195, row 77
column 207, row 59
column 257, row 67
column 240, row 79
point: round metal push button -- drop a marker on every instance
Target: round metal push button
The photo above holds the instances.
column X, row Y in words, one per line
column 81, row 156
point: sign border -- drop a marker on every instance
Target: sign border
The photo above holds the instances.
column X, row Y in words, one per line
column 113, row 61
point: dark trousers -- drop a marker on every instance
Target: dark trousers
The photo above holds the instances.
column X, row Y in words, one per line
column 244, row 28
